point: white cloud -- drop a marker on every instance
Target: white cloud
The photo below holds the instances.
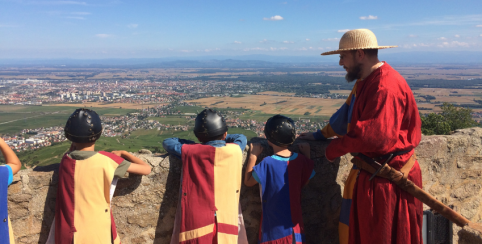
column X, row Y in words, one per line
column 132, row 26
column 473, row 19
column 481, row 35
column 457, row 36
column 255, row 49
column 412, row 36
column 307, row 39
column 237, row 42
column 186, row 51
column 454, row 44
column 81, row 13
column 274, row 18
column 343, row 31
column 210, row 50
column 7, row 26
column 59, row 2
column 264, row 41
column 478, row 26
column 288, row 42
column 442, row 38
column 103, row 35
column 369, row 17
column 283, row 48
column 331, row 39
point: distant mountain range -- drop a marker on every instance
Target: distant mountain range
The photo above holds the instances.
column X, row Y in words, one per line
column 251, row 61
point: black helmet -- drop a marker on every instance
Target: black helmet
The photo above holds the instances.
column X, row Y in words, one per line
column 83, row 126
column 280, row 130
column 208, row 125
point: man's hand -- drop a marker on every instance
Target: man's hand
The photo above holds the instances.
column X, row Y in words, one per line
column 255, row 149
column 307, row 136
column 304, row 149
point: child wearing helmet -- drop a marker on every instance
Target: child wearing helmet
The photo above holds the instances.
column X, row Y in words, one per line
column 208, row 209
column 281, row 177
column 11, row 167
column 87, row 180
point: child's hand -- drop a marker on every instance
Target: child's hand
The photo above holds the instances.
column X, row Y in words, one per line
column 307, row 136
column 118, row 153
column 304, row 149
column 255, row 149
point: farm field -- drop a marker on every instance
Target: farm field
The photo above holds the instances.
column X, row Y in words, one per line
column 173, row 120
column 15, row 118
column 456, row 96
column 140, row 139
column 275, row 104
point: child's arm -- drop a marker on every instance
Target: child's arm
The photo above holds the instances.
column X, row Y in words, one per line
column 304, row 149
column 239, row 139
column 174, row 145
column 137, row 165
column 11, row 158
column 254, row 151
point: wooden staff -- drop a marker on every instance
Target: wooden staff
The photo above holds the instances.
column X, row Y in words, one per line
column 400, row 178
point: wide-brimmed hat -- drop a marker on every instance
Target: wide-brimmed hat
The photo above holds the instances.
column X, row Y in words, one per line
column 357, row 39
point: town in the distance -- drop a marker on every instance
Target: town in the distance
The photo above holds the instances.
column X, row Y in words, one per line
column 141, row 106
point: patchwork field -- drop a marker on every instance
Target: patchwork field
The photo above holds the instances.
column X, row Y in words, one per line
column 275, row 104
column 14, row 119
column 456, row 96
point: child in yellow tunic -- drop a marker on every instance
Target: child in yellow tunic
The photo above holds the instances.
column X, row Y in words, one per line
column 87, row 180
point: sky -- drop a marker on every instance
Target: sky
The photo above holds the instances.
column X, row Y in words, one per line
column 185, row 28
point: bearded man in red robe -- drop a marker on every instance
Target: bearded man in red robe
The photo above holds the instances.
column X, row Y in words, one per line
column 379, row 118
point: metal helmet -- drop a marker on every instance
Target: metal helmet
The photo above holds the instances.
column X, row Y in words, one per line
column 280, row 130
column 83, row 126
column 208, row 125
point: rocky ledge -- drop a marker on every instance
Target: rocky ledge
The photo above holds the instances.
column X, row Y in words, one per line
column 144, row 207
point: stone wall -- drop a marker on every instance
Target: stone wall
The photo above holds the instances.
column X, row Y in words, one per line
column 144, row 207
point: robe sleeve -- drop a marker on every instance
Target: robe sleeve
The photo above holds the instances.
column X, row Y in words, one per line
column 377, row 128
column 339, row 121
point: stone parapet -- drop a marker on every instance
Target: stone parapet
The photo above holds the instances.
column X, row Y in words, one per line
column 144, row 207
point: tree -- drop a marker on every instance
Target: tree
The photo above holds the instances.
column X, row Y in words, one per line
column 458, row 117
column 434, row 124
column 450, row 119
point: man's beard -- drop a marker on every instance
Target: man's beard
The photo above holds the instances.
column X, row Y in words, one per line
column 354, row 74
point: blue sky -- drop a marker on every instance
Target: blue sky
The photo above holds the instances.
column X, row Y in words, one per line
column 156, row 29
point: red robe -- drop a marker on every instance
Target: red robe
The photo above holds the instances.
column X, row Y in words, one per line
column 385, row 119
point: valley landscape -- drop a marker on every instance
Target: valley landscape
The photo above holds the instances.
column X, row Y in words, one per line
column 141, row 107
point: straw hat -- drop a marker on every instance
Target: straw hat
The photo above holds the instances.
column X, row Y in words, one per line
column 357, row 39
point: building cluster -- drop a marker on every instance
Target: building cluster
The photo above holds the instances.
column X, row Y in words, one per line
column 37, row 92
column 35, row 138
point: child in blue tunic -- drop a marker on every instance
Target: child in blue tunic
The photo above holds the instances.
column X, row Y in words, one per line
column 281, row 177
column 7, row 171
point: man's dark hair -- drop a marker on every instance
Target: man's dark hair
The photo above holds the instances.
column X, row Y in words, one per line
column 368, row 52
column 371, row 52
